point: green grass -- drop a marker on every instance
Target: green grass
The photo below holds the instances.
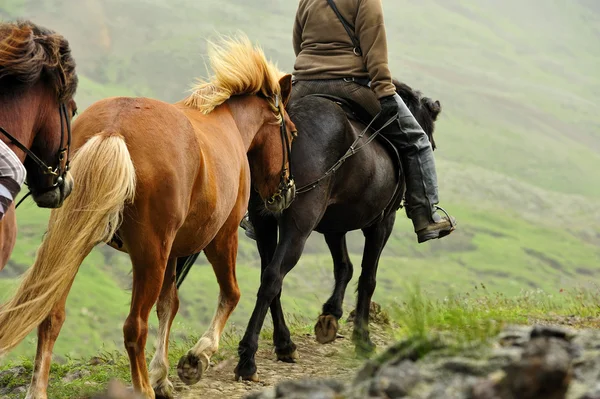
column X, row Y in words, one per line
column 478, row 316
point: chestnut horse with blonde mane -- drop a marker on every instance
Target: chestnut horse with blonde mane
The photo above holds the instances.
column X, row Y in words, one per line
column 37, row 85
column 160, row 181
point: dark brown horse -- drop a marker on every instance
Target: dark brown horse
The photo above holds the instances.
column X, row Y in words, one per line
column 361, row 194
column 37, row 85
column 161, row 181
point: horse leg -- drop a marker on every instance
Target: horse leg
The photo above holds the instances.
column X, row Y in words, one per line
column 286, row 256
column 376, row 237
column 166, row 308
column 266, row 240
column 149, row 266
column 48, row 332
column 327, row 325
column 221, row 253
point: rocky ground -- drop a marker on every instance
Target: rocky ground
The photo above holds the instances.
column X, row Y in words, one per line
column 530, row 362
column 541, row 362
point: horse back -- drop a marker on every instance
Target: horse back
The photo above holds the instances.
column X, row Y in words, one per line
column 364, row 184
column 158, row 136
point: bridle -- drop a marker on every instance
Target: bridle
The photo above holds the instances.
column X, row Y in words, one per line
column 57, row 173
column 286, row 180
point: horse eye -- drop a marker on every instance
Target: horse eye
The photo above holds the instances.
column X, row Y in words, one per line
column 75, row 112
column 295, row 133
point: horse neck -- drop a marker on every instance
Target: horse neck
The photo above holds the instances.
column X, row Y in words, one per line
column 248, row 114
column 20, row 115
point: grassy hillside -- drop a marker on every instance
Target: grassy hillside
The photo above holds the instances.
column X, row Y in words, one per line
column 518, row 158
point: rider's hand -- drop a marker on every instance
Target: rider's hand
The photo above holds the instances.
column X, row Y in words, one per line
column 389, row 107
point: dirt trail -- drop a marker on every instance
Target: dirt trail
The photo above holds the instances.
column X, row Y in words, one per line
column 333, row 361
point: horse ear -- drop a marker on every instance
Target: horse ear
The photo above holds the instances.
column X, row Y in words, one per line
column 286, row 88
column 434, row 108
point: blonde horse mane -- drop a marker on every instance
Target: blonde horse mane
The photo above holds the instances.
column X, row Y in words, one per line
column 239, row 68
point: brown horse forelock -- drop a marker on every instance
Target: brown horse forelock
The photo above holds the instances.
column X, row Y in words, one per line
column 29, row 53
column 424, row 109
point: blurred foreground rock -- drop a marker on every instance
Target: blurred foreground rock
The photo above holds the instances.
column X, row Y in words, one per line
column 117, row 390
column 522, row 363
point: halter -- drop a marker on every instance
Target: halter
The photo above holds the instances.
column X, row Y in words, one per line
column 58, row 172
column 286, row 180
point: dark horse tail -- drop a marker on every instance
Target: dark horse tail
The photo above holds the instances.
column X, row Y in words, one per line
column 183, row 267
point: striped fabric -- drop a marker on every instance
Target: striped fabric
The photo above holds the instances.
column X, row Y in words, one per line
column 12, row 176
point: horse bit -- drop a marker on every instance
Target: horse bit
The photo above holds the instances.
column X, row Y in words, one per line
column 58, row 173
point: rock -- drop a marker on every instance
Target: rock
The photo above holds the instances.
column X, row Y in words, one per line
column 376, row 315
column 544, row 371
column 515, row 336
column 552, row 332
column 97, row 361
column 75, row 375
column 14, row 372
column 117, row 390
column 593, row 394
column 466, row 366
column 396, row 381
column 19, row 390
column 540, row 362
column 314, row 389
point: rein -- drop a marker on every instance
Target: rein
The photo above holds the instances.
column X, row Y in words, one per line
column 57, row 172
column 350, row 152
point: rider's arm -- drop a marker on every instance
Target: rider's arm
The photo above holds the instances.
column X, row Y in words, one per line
column 370, row 30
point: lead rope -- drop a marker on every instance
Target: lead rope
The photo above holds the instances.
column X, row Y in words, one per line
column 23, row 199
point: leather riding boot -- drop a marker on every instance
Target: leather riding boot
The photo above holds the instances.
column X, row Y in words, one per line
column 418, row 163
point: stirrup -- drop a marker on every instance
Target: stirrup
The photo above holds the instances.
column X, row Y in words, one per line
column 439, row 208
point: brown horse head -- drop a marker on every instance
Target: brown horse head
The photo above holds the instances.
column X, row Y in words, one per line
column 271, row 175
column 38, row 79
column 244, row 73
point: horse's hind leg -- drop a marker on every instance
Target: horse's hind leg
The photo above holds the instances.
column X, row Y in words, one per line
column 376, row 237
column 166, row 308
column 48, row 332
column 327, row 326
column 221, row 253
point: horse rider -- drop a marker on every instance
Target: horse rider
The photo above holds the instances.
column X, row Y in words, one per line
column 12, row 176
column 351, row 62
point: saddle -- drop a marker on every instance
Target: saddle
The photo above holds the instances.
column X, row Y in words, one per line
column 356, row 112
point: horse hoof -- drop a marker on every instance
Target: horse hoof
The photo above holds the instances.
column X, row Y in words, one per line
column 252, row 378
column 365, row 349
column 288, row 357
column 326, row 329
column 164, row 390
column 191, row 368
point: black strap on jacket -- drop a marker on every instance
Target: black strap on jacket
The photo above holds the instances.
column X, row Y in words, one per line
column 349, row 28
